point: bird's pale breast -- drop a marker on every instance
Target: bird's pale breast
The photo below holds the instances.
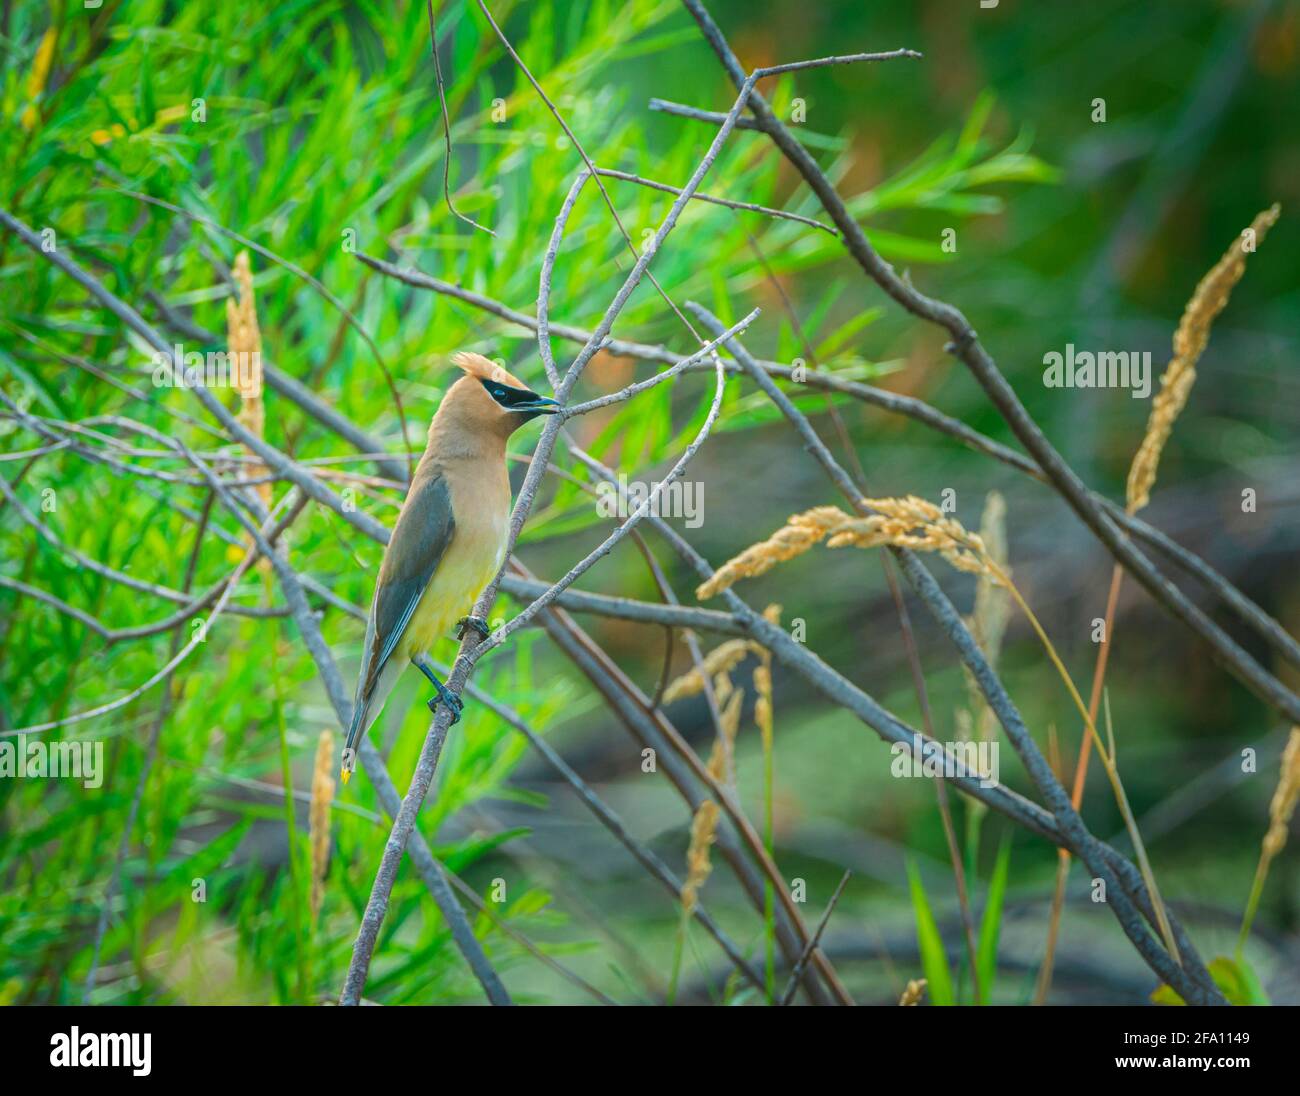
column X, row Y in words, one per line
column 471, row 560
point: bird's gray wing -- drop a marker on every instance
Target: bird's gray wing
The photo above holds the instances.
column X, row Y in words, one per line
column 424, row 530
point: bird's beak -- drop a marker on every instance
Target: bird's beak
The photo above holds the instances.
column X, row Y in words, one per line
column 538, row 405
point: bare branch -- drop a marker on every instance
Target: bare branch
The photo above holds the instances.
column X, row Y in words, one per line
column 446, row 127
column 712, row 117
column 797, row 972
column 543, row 323
column 779, row 214
column 631, row 390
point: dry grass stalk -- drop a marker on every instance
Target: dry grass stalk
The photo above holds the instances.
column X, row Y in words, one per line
column 907, row 522
column 322, row 794
column 988, row 621
column 1190, row 339
column 720, row 661
column 992, row 601
column 763, row 699
column 1193, row 333
column 728, row 726
column 244, row 341
column 1280, row 809
column 704, row 825
column 717, row 664
column 1285, row 797
column 704, row 828
column 799, row 534
column 914, row 992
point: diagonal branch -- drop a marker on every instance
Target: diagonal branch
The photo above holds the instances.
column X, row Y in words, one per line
column 377, row 904
column 939, row 605
column 966, row 346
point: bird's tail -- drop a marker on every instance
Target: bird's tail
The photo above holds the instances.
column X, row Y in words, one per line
column 360, row 724
column 365, row 710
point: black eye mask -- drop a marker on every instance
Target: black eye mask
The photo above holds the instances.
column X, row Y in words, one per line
column 506, row 396
column 520, row 400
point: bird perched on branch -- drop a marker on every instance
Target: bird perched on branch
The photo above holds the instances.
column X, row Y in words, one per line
column 449, row 540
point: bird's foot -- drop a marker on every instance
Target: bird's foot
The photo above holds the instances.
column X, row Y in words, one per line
column 452, row 700
column 477, row 623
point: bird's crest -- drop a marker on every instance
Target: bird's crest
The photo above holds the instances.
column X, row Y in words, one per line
column 478, row 366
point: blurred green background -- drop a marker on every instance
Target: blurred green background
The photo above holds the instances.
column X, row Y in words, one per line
column 320, row 125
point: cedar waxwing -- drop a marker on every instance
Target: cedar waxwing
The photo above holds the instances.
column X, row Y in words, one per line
column 450, row 537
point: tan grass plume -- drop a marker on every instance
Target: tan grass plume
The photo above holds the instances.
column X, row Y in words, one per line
column 322, row 794
column 1283, row 804
column 1280, row 809
column 244, row 341
column 1193, row 333
column 907, row 522
column 988, row 620
column 799, row 534
column 704, row 829
column 914, row 992
column 718, row 663
column 729, row 725
column 704, row 826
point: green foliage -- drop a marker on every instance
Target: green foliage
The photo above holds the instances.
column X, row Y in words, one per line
column 1235, row 977
column 986, row 950
column 934, row 959
column 301, row 127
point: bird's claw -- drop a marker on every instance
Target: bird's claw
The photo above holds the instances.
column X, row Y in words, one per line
column 453, row 702
column 477, row 623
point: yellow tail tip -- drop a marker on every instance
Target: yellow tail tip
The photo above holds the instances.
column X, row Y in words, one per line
column 345, row 774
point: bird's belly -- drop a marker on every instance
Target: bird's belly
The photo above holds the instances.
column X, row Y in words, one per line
column 468, row 566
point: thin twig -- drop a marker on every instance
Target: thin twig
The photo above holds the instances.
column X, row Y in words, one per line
column 797, row 972
column 712, row 117
column 446, row 128
column 543, row 322
column 767, row 211
column 624, row 394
